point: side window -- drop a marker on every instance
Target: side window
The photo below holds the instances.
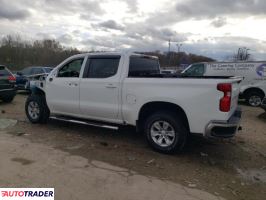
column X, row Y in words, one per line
column 142, row 66
column 102, row 67
column 71, row 69
column 37, row 71
column 195, row 70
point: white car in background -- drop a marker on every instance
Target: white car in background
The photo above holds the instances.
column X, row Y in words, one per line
column 253, row 86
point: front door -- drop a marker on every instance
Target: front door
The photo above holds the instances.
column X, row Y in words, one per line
column 62, row 88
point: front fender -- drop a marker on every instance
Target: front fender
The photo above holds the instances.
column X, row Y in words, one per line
column 35, row 87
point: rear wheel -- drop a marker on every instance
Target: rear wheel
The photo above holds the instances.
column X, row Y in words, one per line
column 166, row 132
column 254, row 99
column 36, row 109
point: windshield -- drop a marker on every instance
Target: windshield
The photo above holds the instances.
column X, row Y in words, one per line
column 48, row 69
column 195, row 70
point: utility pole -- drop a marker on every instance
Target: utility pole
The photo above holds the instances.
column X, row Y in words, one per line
column 169, row 45
column 179, row 45
column 169, row 49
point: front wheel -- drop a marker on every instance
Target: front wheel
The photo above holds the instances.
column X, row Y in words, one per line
column 166, row 132
column 36, row 109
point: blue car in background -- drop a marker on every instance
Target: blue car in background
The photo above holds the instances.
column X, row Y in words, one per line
column 23, row 76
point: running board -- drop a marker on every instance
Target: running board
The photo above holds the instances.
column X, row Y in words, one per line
column 85, row 123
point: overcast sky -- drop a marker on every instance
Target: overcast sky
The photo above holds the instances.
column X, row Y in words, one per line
column 214, row 28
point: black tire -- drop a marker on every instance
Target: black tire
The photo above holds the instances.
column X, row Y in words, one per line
column 44, row 112
column 8, row 98
column 254, row 98
column 177, row 124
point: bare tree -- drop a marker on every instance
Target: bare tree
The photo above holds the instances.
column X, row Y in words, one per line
column 17, row 53
column 242, row 54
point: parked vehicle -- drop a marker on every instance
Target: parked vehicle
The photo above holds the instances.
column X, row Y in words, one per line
column 263, row 104
column 115, row 89
column 7, row 85
column 253, row 87
column 23, row 77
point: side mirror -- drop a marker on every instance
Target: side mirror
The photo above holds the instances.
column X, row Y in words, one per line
column 19, row 73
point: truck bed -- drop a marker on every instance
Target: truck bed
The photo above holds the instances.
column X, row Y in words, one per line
column 178, row 76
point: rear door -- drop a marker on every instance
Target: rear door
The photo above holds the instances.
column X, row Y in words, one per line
column 62, row 87
column 100, row 88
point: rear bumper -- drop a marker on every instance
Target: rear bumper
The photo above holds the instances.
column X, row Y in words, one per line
column 20, row 87
column 224, row 129
column 7, row 92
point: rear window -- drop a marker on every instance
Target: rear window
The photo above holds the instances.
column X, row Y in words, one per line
column 3, row 71
column 141, row 66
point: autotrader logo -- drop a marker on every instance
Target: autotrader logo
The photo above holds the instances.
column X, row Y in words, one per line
column 27, row 193
column 261, row 70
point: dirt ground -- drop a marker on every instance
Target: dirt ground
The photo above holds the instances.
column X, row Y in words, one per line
column 233, row 169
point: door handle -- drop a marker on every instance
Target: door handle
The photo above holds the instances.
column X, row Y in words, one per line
column 73, row 84
column 110, row 86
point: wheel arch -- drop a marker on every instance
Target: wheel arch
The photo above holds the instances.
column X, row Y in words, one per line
column 151, row 107
column 253, row 89
column 37, row 91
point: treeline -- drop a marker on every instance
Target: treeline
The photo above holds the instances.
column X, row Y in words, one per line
column 18, row 54
column 178, row 58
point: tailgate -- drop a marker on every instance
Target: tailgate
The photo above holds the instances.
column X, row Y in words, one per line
column 235, row 94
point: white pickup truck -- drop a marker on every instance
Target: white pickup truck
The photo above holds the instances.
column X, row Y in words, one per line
column 115, row 89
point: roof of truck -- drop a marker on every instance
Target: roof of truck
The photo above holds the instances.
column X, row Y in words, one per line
column 129, row 53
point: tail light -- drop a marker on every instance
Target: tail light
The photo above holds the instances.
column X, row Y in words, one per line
column 225, row 101
column 11, row 78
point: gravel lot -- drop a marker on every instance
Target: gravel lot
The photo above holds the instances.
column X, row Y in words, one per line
column 233, row 169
